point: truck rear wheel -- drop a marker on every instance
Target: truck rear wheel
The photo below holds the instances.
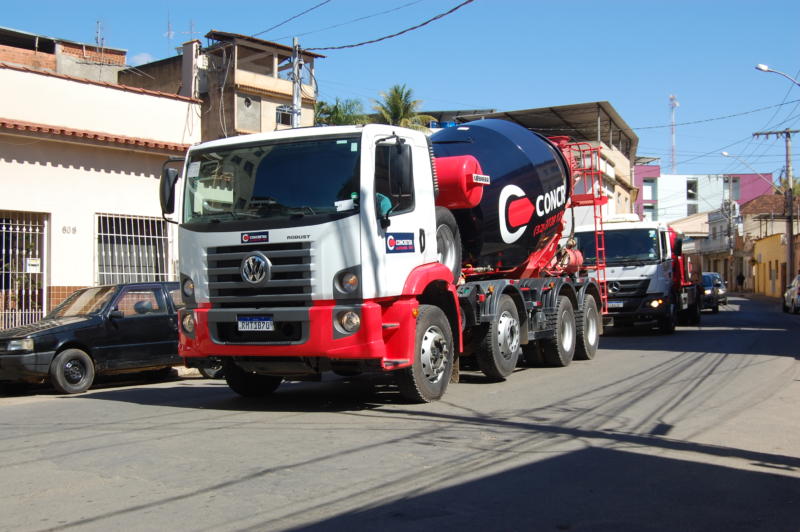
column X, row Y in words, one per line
column 249, row 384
column 559, row 350
column 588, row 330
column 448, row 241
column 499, row 352
column 426, row 380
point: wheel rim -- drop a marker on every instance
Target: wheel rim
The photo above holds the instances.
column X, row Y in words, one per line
column 590, row 327
column 507, row 335
column 566, row 331
column 74, row 371
column 434, row 351
column 446, row 246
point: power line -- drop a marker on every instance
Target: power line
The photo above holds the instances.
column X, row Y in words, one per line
column 437, row 17
column 718, row 117
column 292, row 18
column 359, row 19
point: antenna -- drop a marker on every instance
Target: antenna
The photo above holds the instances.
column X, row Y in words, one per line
column 169, row 34
column 673, row 104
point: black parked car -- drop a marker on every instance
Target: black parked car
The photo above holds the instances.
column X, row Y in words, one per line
column 104, row 329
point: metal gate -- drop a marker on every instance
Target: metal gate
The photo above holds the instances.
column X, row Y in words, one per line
column 131, row 249
column 23, row 263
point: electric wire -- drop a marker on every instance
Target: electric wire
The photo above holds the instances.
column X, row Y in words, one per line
column 278, row 25
column 386, row 37
column 359, row 19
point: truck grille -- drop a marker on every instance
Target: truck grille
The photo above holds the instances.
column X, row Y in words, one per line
column 289, row 286
column 619, row 289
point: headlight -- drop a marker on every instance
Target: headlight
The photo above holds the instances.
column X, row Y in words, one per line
column 188, row 288
column 26, row 344
column 655, row 303
column 349, row 282
column 188, row 323
column 349, row 321
column 708, row 291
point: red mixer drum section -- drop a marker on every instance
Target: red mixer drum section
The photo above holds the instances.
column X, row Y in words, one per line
column 525, row 187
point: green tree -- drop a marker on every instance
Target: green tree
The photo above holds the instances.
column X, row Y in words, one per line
column 340, row 113
column 398, row 107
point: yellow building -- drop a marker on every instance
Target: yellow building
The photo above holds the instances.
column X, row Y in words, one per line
column 769, row 270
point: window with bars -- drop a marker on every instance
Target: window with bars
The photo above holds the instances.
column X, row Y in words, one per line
column 131, row 249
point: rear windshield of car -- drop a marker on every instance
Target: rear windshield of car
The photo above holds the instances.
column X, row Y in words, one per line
column 83, row 302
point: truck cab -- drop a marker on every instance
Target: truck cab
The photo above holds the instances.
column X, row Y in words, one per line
column 639, row 271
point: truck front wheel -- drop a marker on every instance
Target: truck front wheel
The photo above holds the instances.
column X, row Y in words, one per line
column 559, row 350
column 666, row 325
column 249, row 384
column 426, row 380
column 498, row 355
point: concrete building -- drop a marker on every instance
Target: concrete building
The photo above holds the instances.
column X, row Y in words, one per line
column 79, row 169
column 244, row 83
column 666, row 197
column 80, row 60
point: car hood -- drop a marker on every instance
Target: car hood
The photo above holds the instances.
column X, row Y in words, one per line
column 45, row 325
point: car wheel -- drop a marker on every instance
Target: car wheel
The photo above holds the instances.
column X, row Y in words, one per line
column 784, row 306
column 715, row 308
column 72, row 371
column 795, row 307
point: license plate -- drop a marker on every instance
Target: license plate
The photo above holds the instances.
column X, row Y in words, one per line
column 256, row 323
column 616, row 304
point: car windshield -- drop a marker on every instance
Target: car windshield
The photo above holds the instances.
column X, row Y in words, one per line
column 279, row 180
column 83, row 302
column 708, row 280
column 623, row 246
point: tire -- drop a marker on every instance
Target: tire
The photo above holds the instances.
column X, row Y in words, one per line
column 667, row 325
column 72, row 371
column 784, row 306
column 560, row 350
column 213, row 372
column 695, row 313
column 448, row 241
column 500, row 349
column 715, row 308
column 249, row 384
column 795, row 307
column 426, row 380
column 588, row 330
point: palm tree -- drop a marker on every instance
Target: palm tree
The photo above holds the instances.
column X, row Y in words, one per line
column 340, row 113
column 399, row 108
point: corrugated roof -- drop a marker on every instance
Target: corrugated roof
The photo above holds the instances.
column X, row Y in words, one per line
column 767, row 204
column 20, row 125
column 216, row 35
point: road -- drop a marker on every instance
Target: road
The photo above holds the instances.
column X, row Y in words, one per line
column 695, row 431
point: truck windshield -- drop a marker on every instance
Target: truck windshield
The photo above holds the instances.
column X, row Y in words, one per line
column 288, row 179
column 623, row 246
column 83, row 302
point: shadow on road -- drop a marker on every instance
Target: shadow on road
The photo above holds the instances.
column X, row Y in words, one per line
column 593, row 490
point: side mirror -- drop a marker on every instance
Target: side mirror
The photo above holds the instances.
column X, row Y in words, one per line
column 168, row 179
column 400, row 174
column 677, row 249
column 143, row 307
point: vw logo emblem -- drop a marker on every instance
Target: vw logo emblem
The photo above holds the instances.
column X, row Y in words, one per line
column 255, row 269
column 614, row 287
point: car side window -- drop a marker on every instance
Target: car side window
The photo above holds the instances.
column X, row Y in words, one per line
column 177, row 299
column 140, row 302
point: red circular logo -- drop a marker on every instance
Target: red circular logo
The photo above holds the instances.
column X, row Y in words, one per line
column 245, row 238
column 390, row 242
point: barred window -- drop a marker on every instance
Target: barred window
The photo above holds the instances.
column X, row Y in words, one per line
column 131, row 249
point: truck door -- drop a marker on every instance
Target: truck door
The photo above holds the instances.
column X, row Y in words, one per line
column 404, row 233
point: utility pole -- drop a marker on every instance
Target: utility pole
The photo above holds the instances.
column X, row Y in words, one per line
column 297, row 65
column 789, row 194
column 731, row 233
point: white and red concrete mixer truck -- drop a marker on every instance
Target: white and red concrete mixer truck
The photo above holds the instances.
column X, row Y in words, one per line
column 378, row 249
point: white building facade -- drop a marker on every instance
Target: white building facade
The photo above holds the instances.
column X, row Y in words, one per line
column 79, row 170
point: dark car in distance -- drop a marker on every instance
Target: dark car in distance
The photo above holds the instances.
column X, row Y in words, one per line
column 791, row 297
column 714, row 291
column 98, row 330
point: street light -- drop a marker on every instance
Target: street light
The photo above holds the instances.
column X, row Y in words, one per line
column 765, row 68
column 773, row 185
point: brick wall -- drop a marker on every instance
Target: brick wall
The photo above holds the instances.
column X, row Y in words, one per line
column 29, row 58
column 57, row 294
column 104, row 56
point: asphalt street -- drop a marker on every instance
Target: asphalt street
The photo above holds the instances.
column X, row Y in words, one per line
column 699, row 430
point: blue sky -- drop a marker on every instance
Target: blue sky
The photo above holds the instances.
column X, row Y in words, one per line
column 513, row 54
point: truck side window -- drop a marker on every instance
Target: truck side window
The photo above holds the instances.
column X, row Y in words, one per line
column 389, row 190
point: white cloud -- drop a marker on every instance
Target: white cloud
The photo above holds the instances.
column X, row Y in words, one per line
column 142, row 58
